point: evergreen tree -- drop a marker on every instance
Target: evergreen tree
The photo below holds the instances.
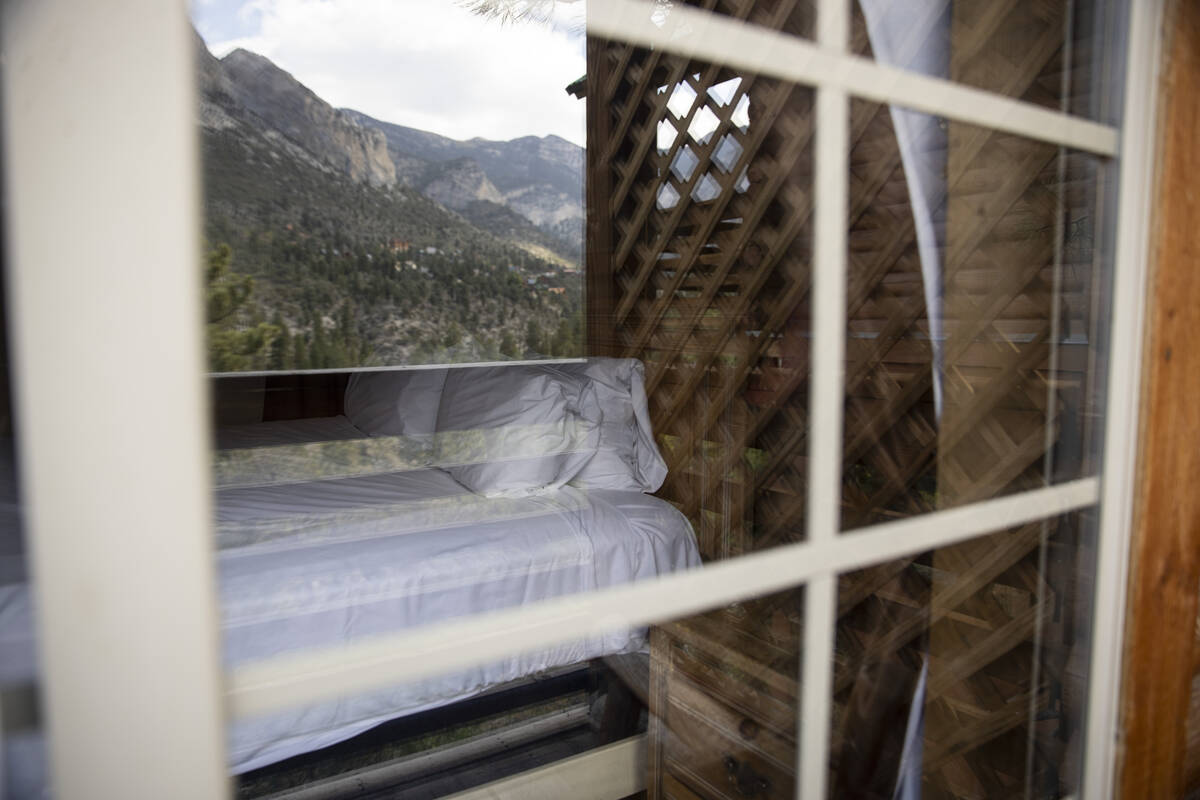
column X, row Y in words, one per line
column 237, row 338
column 533, row 336
column 299, row 352
column 318, row 354
column 560, row 345
column 508, row 345
column 278, row 355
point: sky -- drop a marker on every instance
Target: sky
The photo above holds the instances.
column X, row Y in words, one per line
column 428, row 64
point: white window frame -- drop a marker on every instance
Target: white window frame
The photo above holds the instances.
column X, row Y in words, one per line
column 103, row 242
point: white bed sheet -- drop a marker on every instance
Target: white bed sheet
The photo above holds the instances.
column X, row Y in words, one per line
column 314, row 564
column 311, row 565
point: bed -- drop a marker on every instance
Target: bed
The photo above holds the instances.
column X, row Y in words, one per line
column 326, row 533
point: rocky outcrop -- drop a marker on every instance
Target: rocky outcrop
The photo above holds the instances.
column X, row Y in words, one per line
column 544, row 206
column 456, row 184
column 540, row 178
column 295, row 111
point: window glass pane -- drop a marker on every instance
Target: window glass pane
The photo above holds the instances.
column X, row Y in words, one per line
column 356, row 503
column 962, row 672
column 328, row 536
column 699, row 266
column 390, row 185
column 710, row 700
column 723, row 701
column 352, row 505
column 978, row 283
column 1066, row 55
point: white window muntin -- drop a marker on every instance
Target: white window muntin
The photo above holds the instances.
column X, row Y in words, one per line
column 692, row 32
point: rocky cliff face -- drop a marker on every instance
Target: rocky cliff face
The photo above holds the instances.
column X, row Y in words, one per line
column 456, row 184
column 538, row 178
column 292, row 109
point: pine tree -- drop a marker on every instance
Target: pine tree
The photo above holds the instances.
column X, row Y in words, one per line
column 533, row 336
column 238, row 339
column 299, row 352
column 278, row 355
column 508, row 345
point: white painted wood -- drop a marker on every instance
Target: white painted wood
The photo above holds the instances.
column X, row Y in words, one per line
column 831, row 161
column 1131, row 262
column 606, row 773
column 724, row 40
column 100, row 162
column 314, row 675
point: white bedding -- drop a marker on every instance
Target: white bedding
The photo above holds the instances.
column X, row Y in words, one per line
column 312, row 564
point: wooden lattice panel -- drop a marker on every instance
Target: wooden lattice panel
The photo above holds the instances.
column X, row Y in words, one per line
column 708, row 272
column 700, row 204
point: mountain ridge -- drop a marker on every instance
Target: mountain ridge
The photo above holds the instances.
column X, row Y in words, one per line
column 359, row 256
column 538, row 177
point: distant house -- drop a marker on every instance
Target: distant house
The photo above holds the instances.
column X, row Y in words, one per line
column 557, row 290
column 399, row 245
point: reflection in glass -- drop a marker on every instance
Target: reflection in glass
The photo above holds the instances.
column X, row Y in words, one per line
column 377, row 503
column 962, row 672
column 364, row 504
column 428, row 223
column 1062, row 55
column 977, row 283
column 723, row 701
column 702, row 271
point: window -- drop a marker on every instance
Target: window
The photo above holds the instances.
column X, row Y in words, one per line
column 887, row 307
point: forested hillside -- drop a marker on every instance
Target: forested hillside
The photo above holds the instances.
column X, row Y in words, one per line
column 315, row 261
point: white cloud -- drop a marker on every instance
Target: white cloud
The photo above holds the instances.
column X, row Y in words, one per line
column 430, row 64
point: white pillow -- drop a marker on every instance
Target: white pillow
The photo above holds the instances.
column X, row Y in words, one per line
column 395, row 403
column 514, row 431
column 627, row 457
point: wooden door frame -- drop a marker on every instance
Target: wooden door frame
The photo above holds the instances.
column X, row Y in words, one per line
column 1164, row 571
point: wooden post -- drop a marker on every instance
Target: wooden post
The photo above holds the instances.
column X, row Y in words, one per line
column 598, row 266
column 1165, row 556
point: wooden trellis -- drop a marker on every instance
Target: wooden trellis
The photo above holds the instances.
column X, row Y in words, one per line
column 699, row 263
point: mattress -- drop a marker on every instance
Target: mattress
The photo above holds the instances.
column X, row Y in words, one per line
column 314, row 563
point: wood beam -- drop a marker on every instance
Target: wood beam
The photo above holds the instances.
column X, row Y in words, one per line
column 1165, row 555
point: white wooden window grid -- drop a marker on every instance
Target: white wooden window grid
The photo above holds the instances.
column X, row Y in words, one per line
column 76, row 76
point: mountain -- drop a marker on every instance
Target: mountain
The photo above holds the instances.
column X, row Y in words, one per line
column 293, row 110
column 539, row 178
column 358, row 253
